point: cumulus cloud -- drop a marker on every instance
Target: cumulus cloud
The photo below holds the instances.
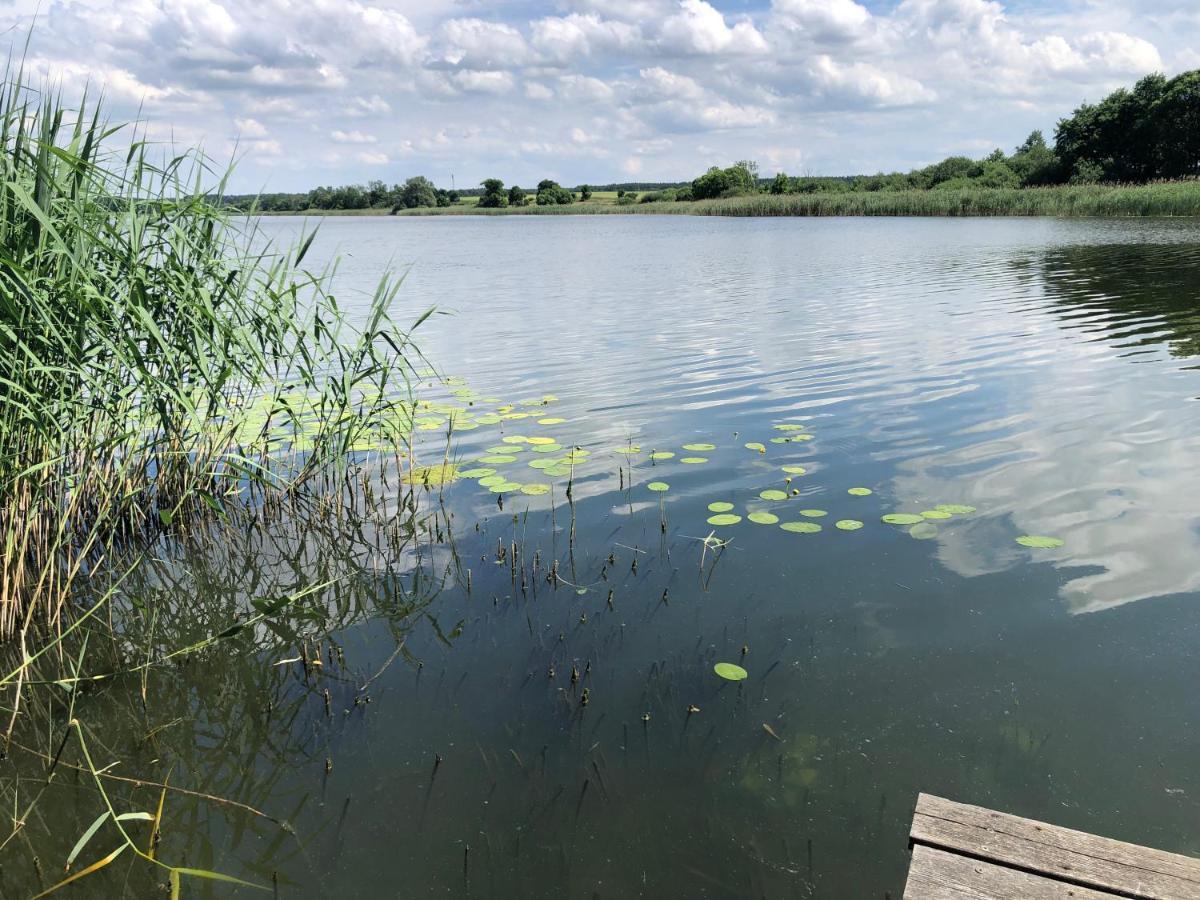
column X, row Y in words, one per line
column 451, row 86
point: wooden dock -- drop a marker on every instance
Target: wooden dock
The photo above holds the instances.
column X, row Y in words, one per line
column 961, row 851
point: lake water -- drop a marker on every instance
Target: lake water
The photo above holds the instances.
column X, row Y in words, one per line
column 1044, row 373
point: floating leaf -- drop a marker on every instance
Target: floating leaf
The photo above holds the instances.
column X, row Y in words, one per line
column 505, row 487
column 488, row 480
column 541, row 440
column 859, row 492
column 813, row 513
column 790, row 426
column 801, row 437
column 503, row 449
column 848, row 524
column 755, row 445
column 558, row 471
column 801, row 527
column 662, row 454
column 489, row 419
column 432, row 475
column 795, row 470
column 551, row 420
column 763, row 518
column 923, row 531
column 1039, row 542
column 628, row 451
column 514, row 439
column 546, row 448
column 780, row 440
column 935, row 514
column 955, row 509
column 731, row 672
column 773, row 494
column 476, row 473
column 544, row 463
column 719, row 506
column 535, row 490
column 658, row 486
column 694, row 460
column 699, row 448
column 902, row 519
column 724, row 519
column 497, row 459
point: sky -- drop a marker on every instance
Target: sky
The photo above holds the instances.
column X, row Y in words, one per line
column 308, row 92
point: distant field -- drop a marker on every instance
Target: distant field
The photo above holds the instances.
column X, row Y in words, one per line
column 1179, row 198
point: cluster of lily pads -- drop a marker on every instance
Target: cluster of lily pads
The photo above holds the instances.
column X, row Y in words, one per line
column 555, row 457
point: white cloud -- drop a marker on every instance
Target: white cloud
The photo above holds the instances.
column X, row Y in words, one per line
column 698, row 28
column 821, row 19
column 352, row 137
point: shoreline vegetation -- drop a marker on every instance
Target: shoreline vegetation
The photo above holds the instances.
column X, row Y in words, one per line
column 1164, row 199
column 1136, row 153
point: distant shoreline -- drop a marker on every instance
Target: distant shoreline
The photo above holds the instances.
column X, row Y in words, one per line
column 1164, row 199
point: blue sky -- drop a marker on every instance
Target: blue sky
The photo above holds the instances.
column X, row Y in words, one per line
column 334, row 91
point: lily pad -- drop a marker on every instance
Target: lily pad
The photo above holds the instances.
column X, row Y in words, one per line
column 544, row 463
column 923, row 531
column 628, row 451
column 848, row 524
column 801, row 437
column 813, row 513
column 1039, row 542
column 773, row 494
column 731, row 672
column 476, row 473
column 780, row 440
column 724, row 519
column 719, row 506
column 662, row 454
column 504, row 449
column 902, row 519
column 859, row 492
column 698, row 448
column 551, row 420
column 541, row 440
column 955, row 509
column 505, row 487
column 763, row 518
column 535, row 490
column 434, row 476
column 558, row 471
column 935, row 514
column 658, row 486
column 488, row 480
column 514, row 439
column 755, row 445
column 790, row 426
column 801, row 527
column 546, row 448
column 497, row 459
column 694, row 460
column 795, row 470
column 489, row 419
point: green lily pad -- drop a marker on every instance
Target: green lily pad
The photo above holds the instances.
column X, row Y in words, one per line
column 795, row 470
column 558, row 471
column 514, row 439
column 848, row 524
column 544, row 463
column 801, row 527
column 489, row 419
column 535, row 490
column 719, row 506
column 924, row 531
column 801, row 437
column 1039, row 542
column 628, row 451
column 859, row 492
column 488, row 480
column 476, row 473
column 697, row 448
column 773, row 494
column 551, row 420
column 694, row 460
column 724, row 519
column 935, row 514
column 540, row 441
column 813, row 513
column 658, row 486
column 434, row 476
column 662, row 454
column 503, row 449
column 790, row 426
column 755, row 445
column 505, row 487
column 546, row 448
column 902, row 519
column 763, row 518
column 780, row 440
column 497, row 459
column 955, row 509
column 731, row 672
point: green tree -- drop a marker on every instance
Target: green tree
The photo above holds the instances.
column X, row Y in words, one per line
column 493, row 194
column 740, row 178
column 780, row 184
column 550, row 193
column 418, row 191
column 1035, row 163
column 516, row 196
column 585, row 192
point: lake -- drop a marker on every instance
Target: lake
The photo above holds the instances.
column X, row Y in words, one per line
column 551, row 723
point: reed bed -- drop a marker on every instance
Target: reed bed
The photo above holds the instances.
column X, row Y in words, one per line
column 1172, row 198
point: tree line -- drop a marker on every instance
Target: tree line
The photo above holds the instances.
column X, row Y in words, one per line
column 1147, row 133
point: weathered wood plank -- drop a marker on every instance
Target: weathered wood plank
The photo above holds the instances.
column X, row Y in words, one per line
column 1096, row 862
column 942, row 875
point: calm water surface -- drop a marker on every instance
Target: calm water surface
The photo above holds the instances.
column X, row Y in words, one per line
column 1043, row 372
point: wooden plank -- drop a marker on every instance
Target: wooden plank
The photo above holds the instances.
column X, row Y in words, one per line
column 1085, row 859
column 941, row 875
